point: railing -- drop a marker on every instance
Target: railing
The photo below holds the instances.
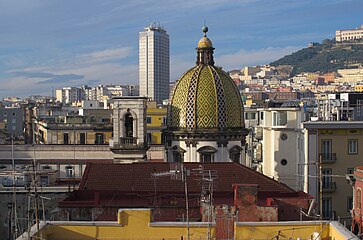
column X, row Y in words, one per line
column 128, row 141
column 327, row 215
column 328, row 157
column 329, row 187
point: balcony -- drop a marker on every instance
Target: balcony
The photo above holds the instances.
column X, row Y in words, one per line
column 329, row 187
column 329, row 215
column 328, row 157
column 128, row 141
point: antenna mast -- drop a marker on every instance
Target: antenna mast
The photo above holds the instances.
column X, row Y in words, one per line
column 178, row 172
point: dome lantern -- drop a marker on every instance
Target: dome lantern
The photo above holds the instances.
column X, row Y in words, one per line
column 205, row 49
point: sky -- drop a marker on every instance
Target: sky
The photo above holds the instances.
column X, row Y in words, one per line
column 47, row 45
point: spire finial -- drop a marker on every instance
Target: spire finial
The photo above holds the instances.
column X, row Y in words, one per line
column 205, row 28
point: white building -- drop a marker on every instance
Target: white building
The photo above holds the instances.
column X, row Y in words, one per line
column 349, row 35
column 67, row 95
column 283, row 154
column 154, row 61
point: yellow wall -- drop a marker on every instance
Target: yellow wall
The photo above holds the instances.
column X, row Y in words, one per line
column 157, row 123
column 286, row 231
column 135, row 224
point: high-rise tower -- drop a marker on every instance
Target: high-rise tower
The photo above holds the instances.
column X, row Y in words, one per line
column 154, row 67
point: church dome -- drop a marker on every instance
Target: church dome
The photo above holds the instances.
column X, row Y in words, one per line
column 205, row 97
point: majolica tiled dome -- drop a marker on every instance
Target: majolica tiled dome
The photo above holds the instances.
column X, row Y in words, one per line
column 205, row 96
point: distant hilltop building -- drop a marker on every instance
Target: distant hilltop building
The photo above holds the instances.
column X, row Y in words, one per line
column 349, row 35
column 154, row 63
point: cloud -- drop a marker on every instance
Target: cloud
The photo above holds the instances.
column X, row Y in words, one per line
column 254, row 57
column 51, row 78
column 105, row 55
column 65, row 78
column 32, row 74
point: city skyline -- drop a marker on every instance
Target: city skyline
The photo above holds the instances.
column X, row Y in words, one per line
column 48, row 45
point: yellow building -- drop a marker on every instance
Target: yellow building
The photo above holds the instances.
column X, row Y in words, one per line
column 155, row 123
column 75, row 130
column 338, row 145
column 136, row 224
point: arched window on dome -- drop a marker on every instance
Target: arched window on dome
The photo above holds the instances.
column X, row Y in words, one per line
column 178, row 154
column 206, row 154
column 235, row 154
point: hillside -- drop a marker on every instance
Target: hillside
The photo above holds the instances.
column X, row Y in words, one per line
column 323, row 58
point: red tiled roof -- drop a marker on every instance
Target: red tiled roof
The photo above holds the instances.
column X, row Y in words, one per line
column 137, row 177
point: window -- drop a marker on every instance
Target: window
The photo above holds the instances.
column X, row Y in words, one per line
column 349, row 203
column 250, row 115
column 46, row 167
column 148, row 120
column 327, row 208
column 235, row 154
column 65, row 138
column 164, row 121
column 327, row 179
column 279, row 118
column 13, row 120
column 206, row 157
column 352, row 146
column 206, row 154
column 99, row 138
column 162, row 138
column 261, row 115
column 13, row 113
column 326, row 147
column 178, row 154
column 13, row 128
column 82, row 138
column 129, row 128
column 69, row 171
column 177, row 157
column 283, row 162
column 358, row 198
column 149, row 138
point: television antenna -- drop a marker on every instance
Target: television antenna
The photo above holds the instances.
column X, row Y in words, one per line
column 178, row 172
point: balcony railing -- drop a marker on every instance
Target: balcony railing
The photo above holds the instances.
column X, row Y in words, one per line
column 328, row 215
column 329, row 187
column 126, row 141
column 328, row 157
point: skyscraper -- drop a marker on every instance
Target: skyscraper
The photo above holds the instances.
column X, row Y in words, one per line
column 154, row 69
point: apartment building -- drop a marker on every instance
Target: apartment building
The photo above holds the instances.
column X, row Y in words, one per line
column 335, row 146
